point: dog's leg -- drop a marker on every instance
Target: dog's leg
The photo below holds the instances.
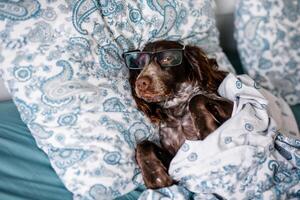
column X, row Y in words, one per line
column 209, row 113
column 154, row 163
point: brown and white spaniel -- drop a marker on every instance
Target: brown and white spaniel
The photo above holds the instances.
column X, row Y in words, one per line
column 176, row 87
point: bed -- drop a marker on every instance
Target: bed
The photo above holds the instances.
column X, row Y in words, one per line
column 25, row 170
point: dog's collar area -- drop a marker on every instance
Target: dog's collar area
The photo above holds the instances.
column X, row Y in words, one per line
column 183, row 95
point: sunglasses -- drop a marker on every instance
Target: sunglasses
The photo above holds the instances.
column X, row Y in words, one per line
column 166, row 58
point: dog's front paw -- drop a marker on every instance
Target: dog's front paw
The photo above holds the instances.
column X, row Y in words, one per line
column 154, row 173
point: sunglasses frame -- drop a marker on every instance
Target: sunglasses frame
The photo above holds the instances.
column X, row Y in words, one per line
column 151, row 55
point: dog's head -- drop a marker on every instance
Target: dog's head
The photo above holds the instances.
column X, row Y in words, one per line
column 158, row 71
column 166, row 68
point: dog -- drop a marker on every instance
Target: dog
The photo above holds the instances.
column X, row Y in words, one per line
column 175, row 86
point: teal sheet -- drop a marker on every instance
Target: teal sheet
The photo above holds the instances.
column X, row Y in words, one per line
column 25, row 171
column 296, row 111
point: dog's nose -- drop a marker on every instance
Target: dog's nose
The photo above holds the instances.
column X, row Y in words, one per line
column 143, row 83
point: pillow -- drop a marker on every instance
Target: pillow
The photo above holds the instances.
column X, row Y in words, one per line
column 268, row 37
column 61, row 61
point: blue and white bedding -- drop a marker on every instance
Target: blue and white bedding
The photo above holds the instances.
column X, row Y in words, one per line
column 253, row 155
column 268, row 38
column 61, row 61
column 25, row 170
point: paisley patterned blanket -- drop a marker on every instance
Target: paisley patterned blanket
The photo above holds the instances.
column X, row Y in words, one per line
column 61, row 61
column 254, row 155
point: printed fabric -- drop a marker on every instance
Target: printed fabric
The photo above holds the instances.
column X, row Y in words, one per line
column 61, row 61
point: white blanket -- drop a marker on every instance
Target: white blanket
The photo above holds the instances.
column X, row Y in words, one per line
column 253, row 155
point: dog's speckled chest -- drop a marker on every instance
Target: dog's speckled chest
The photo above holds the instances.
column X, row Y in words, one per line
column 180, row 124
column 175, row 131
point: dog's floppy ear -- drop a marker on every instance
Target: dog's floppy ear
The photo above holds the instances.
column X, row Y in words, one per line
column 152, row 110
column 195, row 59
column 204, row 69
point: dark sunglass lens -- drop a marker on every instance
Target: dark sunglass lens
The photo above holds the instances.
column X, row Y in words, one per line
column 143, row 59
column 131, row 60
column 169, row 58
column 137, row 60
